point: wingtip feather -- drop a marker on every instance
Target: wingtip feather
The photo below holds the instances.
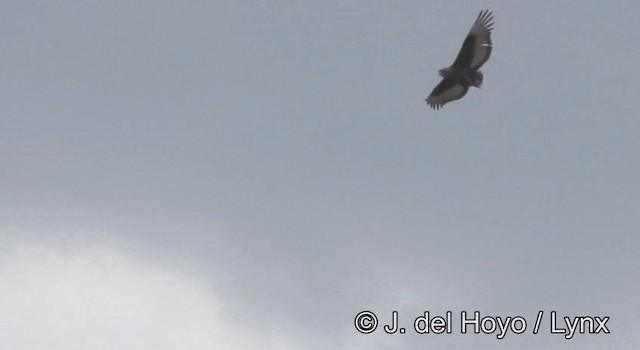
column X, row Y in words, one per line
column 485, row 18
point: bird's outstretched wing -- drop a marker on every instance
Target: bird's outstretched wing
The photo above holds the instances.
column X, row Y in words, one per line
column 448, row 90
column 476, row 48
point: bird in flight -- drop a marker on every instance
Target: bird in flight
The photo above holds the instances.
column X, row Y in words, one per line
column 464, row 71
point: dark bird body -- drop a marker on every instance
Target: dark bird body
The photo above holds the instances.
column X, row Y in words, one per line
column 464, row 72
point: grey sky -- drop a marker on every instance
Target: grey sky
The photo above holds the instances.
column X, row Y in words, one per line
column 281, row 154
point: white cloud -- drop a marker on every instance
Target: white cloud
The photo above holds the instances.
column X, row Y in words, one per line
column 102, row 299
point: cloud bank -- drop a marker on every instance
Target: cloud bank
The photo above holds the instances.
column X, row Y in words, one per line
column 95, row 298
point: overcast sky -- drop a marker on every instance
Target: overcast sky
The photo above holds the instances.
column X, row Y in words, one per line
column 252, row 174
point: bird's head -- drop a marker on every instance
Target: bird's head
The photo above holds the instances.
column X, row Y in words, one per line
column 476, row 79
